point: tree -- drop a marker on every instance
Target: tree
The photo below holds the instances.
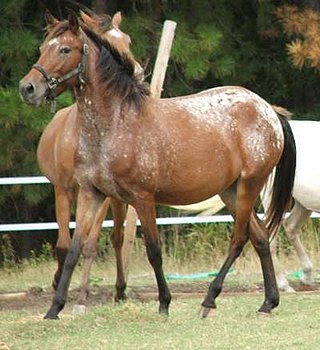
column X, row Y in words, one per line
column 105, row 6
column 20, row 125
column 217, row 42
column 303, row 28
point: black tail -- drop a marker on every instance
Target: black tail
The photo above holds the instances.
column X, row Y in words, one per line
column 284, row 177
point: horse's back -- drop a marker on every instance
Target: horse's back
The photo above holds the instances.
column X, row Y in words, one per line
column 237, row 116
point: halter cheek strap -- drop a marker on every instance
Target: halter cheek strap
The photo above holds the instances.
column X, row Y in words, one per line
column 53, row 82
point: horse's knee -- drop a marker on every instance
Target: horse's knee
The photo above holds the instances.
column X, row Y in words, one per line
column 89, row 251
column 116, row 238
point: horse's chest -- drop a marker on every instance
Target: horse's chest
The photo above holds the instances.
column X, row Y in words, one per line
column 104, row 181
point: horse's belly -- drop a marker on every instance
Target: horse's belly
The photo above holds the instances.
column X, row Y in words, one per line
column 179, row 198
column 194, row 190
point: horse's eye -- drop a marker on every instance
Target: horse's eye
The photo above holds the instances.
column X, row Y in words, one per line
column 65, row 50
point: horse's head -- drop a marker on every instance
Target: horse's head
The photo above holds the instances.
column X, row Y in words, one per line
column 63, row 55
column 61, row 64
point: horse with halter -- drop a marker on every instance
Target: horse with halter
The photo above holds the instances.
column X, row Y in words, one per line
column 55, row 153
column 142, row 151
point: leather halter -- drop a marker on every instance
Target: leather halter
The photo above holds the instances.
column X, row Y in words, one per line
column 53, row 82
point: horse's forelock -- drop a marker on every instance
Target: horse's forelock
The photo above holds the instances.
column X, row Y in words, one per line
column 53, row 32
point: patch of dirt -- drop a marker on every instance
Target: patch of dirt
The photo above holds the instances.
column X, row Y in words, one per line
column 37, row 298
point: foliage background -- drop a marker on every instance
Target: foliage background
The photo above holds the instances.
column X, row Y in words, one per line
column 218, row 42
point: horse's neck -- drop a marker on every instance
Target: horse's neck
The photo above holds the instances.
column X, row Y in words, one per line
column 95, row 110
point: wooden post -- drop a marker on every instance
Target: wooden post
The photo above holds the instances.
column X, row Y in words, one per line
column 160, row 67
column 157, row 80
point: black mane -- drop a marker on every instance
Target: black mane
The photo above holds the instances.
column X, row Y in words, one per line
column 118, row 72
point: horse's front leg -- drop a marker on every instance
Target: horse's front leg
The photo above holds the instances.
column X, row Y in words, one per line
column 119, row 213
column 147, row 214
column 63, row 202
column 88, row 203
column 89, row 252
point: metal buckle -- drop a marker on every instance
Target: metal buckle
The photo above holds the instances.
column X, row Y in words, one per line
column 85, row 49
column 52, row 83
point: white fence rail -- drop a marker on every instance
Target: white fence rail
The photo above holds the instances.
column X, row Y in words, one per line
column 33, row 180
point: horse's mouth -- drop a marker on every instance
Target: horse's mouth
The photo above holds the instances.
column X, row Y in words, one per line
column 35, row 100
column 33, row 94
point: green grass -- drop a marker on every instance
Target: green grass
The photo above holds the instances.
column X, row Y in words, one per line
column 135, row 325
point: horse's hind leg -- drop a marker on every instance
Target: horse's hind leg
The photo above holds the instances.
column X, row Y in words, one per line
column 239, row 238
column 292, row 224
column 63, row 202
column 89, row 252
column 119, row 213
column 240, row 200
column 259, row 237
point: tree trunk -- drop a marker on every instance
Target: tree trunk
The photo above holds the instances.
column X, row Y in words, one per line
column 313, row 4
column 105, row 6
column 157, row 10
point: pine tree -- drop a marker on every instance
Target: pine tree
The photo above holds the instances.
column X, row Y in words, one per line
column 21, row 125
column 303, row 27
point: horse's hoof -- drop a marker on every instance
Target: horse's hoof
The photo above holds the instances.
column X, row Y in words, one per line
column 79, row 309
column 206, row 312
column 163, row 310
column 263, row 314
column 51, row 317
column 120, row 298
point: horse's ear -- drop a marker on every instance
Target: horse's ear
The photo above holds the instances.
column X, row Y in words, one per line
column 51, row 22
column 117, row 19
column 87, row 20
column 73, row 21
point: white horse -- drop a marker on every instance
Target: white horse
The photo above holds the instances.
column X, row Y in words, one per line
column 306, row 194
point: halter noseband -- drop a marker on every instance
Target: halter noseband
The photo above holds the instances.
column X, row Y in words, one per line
column 53, row 82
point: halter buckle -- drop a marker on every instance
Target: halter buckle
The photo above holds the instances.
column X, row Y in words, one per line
column 52, row 83
column 85, row 49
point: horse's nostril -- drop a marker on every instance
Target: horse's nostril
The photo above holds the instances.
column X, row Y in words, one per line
column 30, row 89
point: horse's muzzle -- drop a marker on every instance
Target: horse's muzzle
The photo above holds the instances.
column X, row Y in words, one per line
column 30, row 94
